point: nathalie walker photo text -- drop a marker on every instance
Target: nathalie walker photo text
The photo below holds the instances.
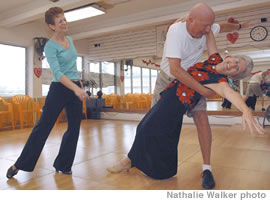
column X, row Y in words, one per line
column 242, row 195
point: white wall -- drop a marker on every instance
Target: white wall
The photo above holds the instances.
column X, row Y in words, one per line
column 22, row 35
column 125, row 45
column 81, row 47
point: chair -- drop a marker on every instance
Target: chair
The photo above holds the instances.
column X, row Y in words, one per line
column 84, row 109
column 7, row 110
column 62, row 113
column 115, row 100
column 125, row 103
column 25, row 105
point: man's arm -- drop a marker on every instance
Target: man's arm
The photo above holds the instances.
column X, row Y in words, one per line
column 211, row 43
column 228, row 27
column 182, row 75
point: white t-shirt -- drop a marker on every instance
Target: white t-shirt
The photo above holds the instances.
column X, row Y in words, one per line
column 180, row 44
column 256, row 78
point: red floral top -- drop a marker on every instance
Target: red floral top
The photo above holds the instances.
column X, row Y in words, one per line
column 205, row 73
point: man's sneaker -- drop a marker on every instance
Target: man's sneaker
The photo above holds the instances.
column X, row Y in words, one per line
column 208, row 181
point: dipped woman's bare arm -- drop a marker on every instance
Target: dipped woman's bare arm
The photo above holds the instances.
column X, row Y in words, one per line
column 235, row 98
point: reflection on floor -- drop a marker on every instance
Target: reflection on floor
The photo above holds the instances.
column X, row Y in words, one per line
column 239, row 160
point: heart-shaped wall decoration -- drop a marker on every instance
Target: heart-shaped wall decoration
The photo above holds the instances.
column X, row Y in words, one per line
column 233, row 21
column 37, row 71
column 232, row 37
column 122, row 78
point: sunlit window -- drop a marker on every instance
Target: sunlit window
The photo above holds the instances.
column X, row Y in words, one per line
column 127, row 79
column 12, row 76
column 94, row 69
column 45, row 89
column 79, row 64
column 79, row 67
column 153, row 79
column 146, row 80
column 136, row 79
column 108, row 77
column 45, row 63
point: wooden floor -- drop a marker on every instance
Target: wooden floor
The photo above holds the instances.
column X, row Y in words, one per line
column 239, row 160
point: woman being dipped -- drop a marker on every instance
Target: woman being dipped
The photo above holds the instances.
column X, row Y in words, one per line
column 155, row 148
column 65, row 92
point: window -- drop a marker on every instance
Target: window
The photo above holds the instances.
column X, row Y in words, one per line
column 94, row 69
column 45, row 63
column 108, row 77
column 139, row 79
column 79, row 67
column 127, row 79
column 153, row 79
column 12, row 76
column 136, row 79
column 45, row 89
column 146, row 80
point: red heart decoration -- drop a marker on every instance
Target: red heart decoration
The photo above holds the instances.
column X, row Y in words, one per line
column 37, row 71
column 122, row 78
column 232, row 37
column 233, row 21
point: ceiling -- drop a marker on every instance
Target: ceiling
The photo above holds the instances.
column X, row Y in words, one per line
column 120, row 14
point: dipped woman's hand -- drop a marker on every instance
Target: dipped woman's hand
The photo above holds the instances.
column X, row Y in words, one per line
column 249, row 121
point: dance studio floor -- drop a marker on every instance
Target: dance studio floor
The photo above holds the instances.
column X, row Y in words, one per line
column 239, row 160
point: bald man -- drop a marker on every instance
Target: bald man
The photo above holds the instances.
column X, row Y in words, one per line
column 185, row 43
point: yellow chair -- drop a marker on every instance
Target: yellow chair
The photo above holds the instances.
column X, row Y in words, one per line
column 26, row 105
column 125, row 103
column 108, row 100
column 62, row 112
column 84, row 109
column 115, row 100
column 42, row 103
column 6, row 109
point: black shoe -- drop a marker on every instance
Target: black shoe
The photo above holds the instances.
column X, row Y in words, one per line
column 208, row 181
column 11, row 172
column 64, row 172
column 263, row 109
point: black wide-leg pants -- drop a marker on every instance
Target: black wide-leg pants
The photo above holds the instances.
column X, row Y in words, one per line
column 59, row 97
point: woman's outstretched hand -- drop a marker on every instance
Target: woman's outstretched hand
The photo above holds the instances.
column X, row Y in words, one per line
column 249, row 121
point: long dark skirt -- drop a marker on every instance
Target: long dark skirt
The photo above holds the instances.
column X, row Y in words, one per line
column 155, row 147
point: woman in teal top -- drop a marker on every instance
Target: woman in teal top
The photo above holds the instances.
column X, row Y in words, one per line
column 65, row 92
